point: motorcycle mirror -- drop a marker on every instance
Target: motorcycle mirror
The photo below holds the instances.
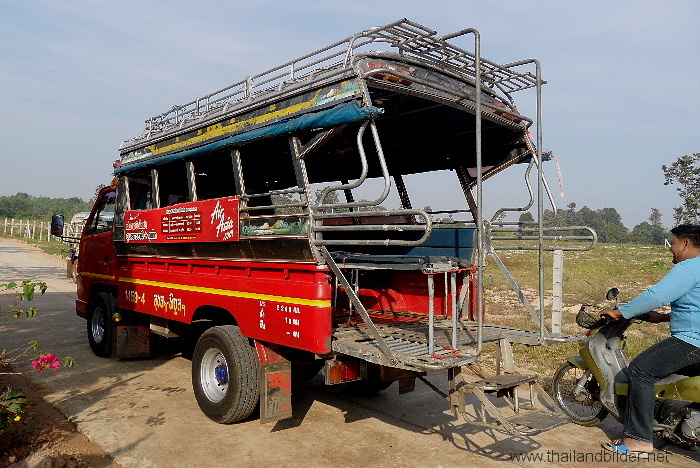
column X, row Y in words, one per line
column 612, row 294
column 57, row 225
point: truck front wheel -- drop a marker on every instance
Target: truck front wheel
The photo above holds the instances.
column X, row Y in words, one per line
column 99, row 324
column 225, row 371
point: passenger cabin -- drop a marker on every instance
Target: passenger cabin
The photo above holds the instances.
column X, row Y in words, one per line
column 294, row 166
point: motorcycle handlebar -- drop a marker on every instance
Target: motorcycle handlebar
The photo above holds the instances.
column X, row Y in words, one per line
column 643, row 317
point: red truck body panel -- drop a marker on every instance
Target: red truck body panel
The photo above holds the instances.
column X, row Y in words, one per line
column 284, row 303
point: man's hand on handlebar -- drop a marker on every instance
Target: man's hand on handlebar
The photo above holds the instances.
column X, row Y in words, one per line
column 651, row 317
column 610, row 314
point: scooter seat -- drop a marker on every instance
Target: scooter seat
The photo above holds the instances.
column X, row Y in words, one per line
column 680, row 374
column 669, row 379
column 690, row 371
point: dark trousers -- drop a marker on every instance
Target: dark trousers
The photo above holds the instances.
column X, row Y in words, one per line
column 653, row 364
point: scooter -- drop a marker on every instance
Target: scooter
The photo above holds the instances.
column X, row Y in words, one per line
column 593, row 383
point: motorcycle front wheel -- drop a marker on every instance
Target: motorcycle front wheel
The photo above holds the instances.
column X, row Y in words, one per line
column 584, row 408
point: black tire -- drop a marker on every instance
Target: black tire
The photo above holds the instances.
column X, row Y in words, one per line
column 225, row 371
column 99, row 324
column 584, row 409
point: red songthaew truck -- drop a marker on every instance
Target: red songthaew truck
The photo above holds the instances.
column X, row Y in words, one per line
column 251, row 222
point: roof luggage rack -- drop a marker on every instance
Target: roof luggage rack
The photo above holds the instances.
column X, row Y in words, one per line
column 403, row 36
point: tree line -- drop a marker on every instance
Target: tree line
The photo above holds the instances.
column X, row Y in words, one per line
column 607, row 223
column 25, row 206
column 684, row 173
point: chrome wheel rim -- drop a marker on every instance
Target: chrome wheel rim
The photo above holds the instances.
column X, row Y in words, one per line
column 214, row 375
column 97, row 326
column 583, row 406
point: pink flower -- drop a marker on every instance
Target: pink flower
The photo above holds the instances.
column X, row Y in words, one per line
column 46, row 361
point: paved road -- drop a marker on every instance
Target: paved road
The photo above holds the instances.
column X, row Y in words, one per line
column 143, row 412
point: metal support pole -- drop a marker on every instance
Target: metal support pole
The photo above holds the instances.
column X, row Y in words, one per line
column 540, row 196
column 431, row 314
column 557, row 290
column 481, row 235
column 453, row 296
column 446, row 303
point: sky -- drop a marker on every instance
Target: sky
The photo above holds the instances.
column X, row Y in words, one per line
column 622, row 98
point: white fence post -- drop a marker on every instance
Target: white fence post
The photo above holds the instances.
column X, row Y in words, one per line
column 12, row 227
column 557, row 290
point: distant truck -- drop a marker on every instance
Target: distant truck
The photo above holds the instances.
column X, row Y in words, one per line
column 73, row 231
column 239, row 221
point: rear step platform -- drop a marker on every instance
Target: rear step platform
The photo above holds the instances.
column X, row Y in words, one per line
column 409, row 342
column 535, row 414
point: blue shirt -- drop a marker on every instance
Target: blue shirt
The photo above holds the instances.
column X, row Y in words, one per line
column 680, row 288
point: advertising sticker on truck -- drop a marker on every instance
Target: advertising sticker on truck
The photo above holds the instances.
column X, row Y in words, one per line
column 213, row 220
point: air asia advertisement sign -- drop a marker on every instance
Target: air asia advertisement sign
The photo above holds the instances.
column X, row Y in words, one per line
column 202, row 221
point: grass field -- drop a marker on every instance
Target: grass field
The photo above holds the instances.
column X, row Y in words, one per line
column 587, row 277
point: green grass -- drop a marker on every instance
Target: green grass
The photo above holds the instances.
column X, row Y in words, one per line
column 587, row 277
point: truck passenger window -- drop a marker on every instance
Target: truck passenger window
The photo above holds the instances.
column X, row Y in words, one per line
column 213, row 173
column 121, row 207
column 263, row 176
column 140, row 190
column 103, row 218
column 172, row 183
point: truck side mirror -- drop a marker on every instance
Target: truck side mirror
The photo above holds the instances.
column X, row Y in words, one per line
column 57, row 225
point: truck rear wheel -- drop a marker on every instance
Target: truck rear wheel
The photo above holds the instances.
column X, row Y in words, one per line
column 225, row 371
column 99, row 324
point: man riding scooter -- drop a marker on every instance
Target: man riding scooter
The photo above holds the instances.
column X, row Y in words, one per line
column 681, row 289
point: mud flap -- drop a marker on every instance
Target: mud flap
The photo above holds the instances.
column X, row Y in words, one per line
column 275, row 385
column 131, row 337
